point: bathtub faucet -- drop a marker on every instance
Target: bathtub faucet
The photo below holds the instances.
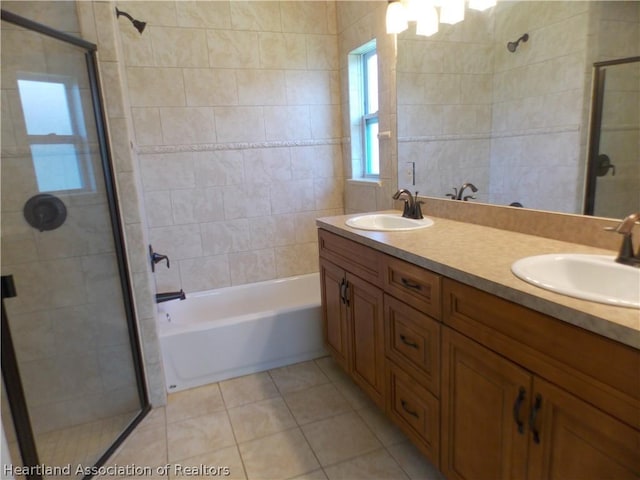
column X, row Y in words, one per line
column 166, row 296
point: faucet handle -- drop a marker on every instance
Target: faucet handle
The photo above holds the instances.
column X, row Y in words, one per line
column 625, row 228
column 155, row 258
column 417, row 212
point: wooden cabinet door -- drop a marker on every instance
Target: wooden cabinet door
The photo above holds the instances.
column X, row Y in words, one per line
column 335, row 330
column 571, row 439
column 483, row 399
column 366, row 320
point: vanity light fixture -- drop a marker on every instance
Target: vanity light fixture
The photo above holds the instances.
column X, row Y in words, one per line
column 136, row 23
column 427, row 24
column 426, row 15
column 481, row 5
column 397, row 21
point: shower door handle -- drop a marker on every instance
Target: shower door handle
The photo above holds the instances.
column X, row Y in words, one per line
column 604, row 165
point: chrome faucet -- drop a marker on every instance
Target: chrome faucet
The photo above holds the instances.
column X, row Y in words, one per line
column 457, row 194
column 626, row 255
column 412, row 207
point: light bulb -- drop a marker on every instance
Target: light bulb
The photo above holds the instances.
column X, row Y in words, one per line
column 427, row 22
column 452, row 11
column 396, row 18
column 412, row 8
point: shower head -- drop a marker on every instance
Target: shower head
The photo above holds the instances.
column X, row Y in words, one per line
column 136, row 23
column 512, row 46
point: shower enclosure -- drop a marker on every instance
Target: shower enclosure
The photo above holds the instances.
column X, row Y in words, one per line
column 72, row 385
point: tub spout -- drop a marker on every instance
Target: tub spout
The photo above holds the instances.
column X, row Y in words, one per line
column 166, row 296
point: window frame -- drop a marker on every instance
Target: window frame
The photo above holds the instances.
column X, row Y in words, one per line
column 369, row 118
column 78, row 137
column 363, row 122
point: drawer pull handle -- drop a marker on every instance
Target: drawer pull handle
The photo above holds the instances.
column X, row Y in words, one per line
column 517, row 406
column 534, row 416
column 408, row 343
column 406, row 408
column 410, row 284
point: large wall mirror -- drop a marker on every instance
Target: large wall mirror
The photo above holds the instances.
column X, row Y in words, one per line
column 514, row 122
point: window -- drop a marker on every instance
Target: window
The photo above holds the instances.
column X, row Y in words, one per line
column 363, row 108
column 55, row 132
column 370, row 116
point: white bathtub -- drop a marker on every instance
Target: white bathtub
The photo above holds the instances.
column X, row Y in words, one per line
column 233, row 331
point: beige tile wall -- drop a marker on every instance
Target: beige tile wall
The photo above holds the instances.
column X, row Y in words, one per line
column 98, row 24
column 470, row 110
column 236, row 114
column 445, row 105
column 538, row 95
column 522, row 109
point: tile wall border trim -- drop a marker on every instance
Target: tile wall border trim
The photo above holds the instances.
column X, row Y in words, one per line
column 211, row 147
column 489, row 136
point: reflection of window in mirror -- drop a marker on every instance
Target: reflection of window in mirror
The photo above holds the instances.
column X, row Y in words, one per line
column 56, row 134
column 363, row 108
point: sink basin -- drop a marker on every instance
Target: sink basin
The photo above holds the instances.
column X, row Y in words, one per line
column 387, row 222
column 597, row 278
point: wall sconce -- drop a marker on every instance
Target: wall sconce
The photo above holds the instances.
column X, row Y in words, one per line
column 136, row 23
column 425, row 14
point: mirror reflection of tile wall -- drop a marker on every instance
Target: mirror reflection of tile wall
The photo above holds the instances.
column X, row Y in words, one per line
column 514, row 124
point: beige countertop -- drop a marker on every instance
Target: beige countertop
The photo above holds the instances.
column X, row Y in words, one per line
column 482, row 256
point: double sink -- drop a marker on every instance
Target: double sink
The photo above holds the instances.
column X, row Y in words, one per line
column 597, row 278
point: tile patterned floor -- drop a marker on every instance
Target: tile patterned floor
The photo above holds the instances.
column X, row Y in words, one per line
column 304, row 421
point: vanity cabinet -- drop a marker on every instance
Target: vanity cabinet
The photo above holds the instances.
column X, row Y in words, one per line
column 380, row 324
column 353, row 313
column 525, row 396
column 484, row 387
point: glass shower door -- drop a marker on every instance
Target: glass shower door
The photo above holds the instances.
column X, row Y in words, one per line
column 71, row 321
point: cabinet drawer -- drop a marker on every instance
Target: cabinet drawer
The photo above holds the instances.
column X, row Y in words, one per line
column 590, row 366
column 414, row 285
column 363, row 261
column 412, row 340
column 415, row 411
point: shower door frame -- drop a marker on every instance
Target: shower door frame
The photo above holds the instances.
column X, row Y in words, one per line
column 24, row 433
column 595, row 126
